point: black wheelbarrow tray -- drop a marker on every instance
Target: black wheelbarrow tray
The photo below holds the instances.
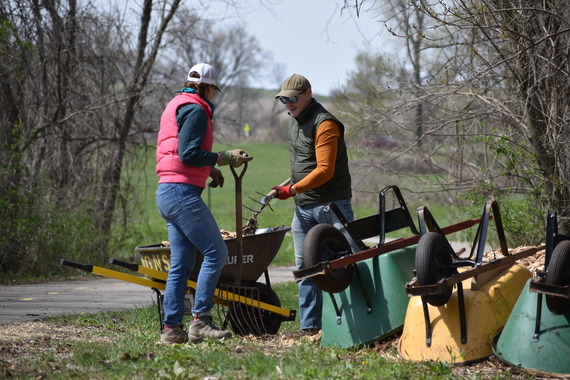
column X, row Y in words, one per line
column 259, row 250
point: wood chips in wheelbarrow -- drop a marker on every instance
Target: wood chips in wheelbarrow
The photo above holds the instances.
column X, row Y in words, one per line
column 225, row 235
column 534, row 263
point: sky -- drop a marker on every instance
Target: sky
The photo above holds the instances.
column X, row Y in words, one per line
column 310, row 37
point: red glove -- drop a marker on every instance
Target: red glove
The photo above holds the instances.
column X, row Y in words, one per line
column 283, row 192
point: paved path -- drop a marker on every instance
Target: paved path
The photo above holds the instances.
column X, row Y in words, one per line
column 28, row 302
column 35, row 301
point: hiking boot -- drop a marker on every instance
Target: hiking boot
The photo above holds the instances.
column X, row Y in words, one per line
column 310, row 332
column 203, row 328
column 174, row 335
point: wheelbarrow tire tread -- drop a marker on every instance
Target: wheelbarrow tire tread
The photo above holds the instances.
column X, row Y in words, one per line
column 432, row 264
column 559, row 274
column 325, row 242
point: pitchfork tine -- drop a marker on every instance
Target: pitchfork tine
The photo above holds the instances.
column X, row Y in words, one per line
column 256, row 212
column 250, row 209
column 256, row 201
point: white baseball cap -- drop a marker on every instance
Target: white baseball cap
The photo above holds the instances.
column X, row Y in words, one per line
column 207, row 74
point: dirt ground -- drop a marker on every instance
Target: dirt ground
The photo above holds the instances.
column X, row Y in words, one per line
column 28, row 338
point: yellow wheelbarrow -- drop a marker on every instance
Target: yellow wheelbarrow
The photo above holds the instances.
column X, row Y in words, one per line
column 457, row 304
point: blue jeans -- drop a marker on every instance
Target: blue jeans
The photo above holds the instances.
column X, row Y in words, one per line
column 191, row 226
column 310, row 296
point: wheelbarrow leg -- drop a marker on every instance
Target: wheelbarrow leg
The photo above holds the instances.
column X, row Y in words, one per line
column 160, row 305
column 461, row 306
column 536, row 335
column 353, row 234
column 363, row 289
column 427, row 322
column 336, row 309
column 267, row 282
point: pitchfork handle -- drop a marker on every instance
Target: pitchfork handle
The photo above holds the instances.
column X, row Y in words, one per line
column 273, row 193
column 239, row 227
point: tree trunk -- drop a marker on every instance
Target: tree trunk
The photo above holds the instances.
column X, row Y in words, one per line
column 141, row 72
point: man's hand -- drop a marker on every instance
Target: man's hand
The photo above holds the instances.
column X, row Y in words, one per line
column 234, row 158
column 217, row 178
column 284, row 192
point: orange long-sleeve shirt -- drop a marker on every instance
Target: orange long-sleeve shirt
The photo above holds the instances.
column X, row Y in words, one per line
column 326, row 147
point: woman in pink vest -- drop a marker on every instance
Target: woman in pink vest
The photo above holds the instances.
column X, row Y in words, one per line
column 184, row 161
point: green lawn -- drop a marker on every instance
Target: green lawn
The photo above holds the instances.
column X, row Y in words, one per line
column 269, row 167
column 124, row 345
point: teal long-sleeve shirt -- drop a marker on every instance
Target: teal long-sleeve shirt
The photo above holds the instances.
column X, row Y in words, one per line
column 192, row 123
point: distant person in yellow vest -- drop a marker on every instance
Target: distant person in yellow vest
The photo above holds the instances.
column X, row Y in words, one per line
column 319, row 176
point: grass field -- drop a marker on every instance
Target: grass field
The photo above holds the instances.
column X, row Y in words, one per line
column 269, row 167
column 124, row 345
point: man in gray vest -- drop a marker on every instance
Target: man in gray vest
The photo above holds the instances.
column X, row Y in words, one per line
column 319, row 176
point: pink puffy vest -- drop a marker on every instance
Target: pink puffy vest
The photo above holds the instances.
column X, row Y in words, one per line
column 168, row 165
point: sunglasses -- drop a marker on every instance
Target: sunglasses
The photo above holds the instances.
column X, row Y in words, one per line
column 294, row 99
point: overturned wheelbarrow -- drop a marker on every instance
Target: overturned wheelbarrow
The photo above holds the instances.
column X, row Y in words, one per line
column 537, row 333
column 367, row 301
column 457, row 304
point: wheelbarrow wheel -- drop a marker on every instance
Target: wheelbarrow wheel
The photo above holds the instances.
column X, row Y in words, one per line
column 324, row 242
column 246, row 320
column 559, row 274
column 432, row 264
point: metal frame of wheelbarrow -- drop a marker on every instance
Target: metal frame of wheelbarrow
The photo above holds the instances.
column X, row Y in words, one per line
column 437, row 273
column 375, row 225
column 556, row 271
column 157, row 282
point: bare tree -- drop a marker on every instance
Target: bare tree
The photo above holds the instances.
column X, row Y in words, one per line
column 80, row 91
column 148, row 46
column 498, row 105
column 70, row 92
column 239, row 59
column 404, row 19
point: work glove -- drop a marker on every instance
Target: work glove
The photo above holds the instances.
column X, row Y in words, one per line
column 217, row 178
column 283, row 192
column 233, row 158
